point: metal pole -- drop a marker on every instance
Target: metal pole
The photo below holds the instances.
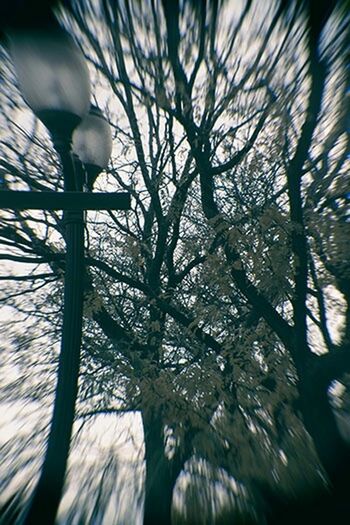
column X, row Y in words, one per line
column 47, row 495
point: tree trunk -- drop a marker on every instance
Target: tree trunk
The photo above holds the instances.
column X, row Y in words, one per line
column 161, row 473
column 332, row 449
column 322, row 505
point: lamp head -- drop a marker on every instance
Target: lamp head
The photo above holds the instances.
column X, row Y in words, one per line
column 92, row 143
column 52, row 75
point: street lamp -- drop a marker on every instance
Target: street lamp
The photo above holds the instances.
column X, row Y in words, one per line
column 54, row 80
column 92, row 143
column 53, row 77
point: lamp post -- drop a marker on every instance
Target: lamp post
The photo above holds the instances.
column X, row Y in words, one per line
column 54, row 80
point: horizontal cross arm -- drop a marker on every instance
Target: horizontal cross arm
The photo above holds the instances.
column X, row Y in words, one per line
column 66, row 200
